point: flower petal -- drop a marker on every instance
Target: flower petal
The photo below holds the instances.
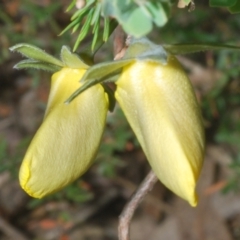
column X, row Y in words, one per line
column 160, row 105
column 66, row 143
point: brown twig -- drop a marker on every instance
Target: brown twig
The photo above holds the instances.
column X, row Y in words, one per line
column 151, row 199
column 118, row 40
column 120, row 43
column 129, row 209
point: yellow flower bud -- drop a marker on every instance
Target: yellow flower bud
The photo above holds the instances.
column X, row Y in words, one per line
column 67, row 141
column 160, row 105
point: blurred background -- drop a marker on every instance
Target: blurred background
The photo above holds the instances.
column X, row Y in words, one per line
column 89, row 208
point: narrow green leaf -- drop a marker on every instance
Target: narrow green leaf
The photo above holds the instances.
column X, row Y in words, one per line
column 83, row 10
column 106, row 29
column 101, row 70
column 96, row 26
column 96, row 14
column 24, row 64
column 79, row 12
column 99, row 42
column 84, row 87
column 84, row 30
column 95, row 36
column 35, row 53
column 192, row 48
column 72, row 4
column 72, row 60
column 75, row 28
column 72, row 24
column 158, row 12
column 107, row 78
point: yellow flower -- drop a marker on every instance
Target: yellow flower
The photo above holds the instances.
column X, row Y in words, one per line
column 160, row 105
column 66, row 143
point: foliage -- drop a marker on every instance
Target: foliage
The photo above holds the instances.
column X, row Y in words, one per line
column 137, row 18
column 220, row 106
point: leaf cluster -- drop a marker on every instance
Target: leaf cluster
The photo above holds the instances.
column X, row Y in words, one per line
column 136, row 17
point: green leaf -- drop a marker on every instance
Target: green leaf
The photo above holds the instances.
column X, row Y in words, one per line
column 106, row 29
column 235, row 8
column 138, row 24
column 96, row 14
column 72, row 24
column 158, row 12
column 35, row 53
column 89, row 50
column 83, row 10
column 72, row 60
column 95, row 36
column 84, row 30
column 222, row 3
column 75, row 28
column 99, row 42
column 37, row 65
column 134, row 20
column 102, row 70
column 137, row 17
column 192, row 48
column 72, row 4
column 92, row 82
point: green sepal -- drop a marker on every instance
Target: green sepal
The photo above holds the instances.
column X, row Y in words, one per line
column 35, row 53
column 176, row 49
column 144, row 49
column 72, row 60
column 102, row 70
column 29, row 63
column 111, row 97
column 138, row 50
column 111, row 77
column 100, row 73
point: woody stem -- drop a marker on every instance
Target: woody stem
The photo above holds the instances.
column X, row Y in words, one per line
column 129, row 209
